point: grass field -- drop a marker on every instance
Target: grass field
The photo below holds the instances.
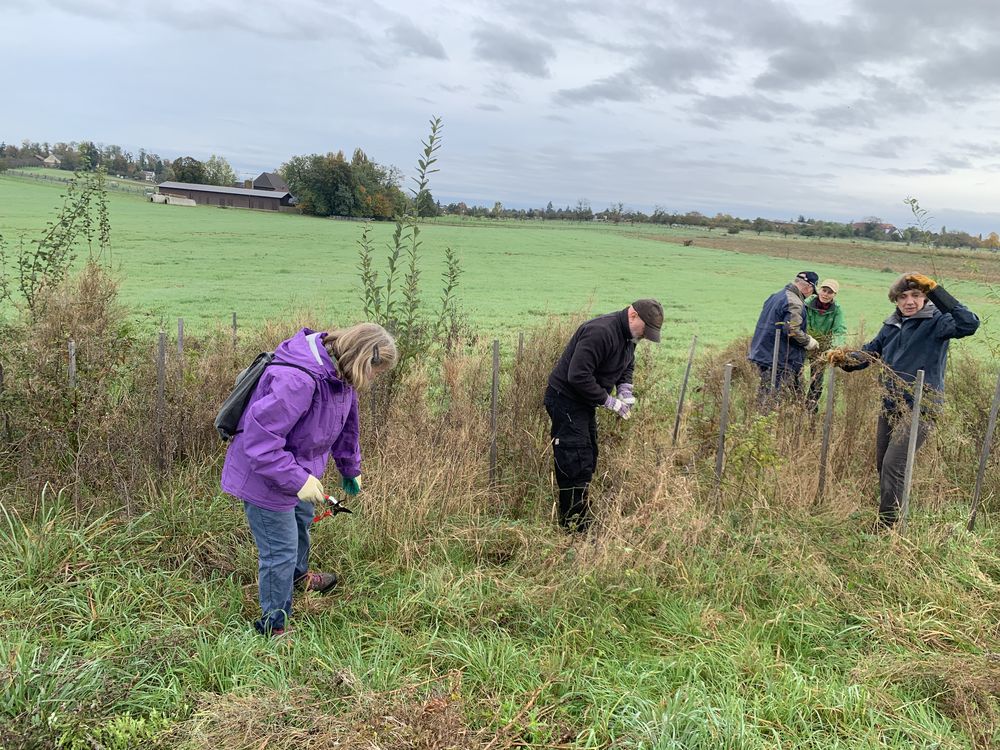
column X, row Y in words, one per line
column 204, row 263
column 745, row 616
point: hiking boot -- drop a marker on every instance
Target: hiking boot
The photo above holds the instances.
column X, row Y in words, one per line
column 321, row 582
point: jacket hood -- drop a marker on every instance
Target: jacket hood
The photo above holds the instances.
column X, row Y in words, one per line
column 305, row 349
column 929, row 310
column 793, row 288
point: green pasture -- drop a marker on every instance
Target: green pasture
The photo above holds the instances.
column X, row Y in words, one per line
column 204, row 263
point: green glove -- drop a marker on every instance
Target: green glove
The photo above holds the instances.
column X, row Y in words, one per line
column 350, row 485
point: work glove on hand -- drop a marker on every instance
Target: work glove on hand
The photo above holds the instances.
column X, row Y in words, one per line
column 813, row 344
column 312, row 491
column 847, row 359
column 618, row 406
column 625, row 394
column 924, row 283
column 350, row 485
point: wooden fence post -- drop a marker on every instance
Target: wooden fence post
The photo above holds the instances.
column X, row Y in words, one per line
column 180, row 337
column 684, row 385
column 161, row 398
column 520, row 346
column 71, row 370
column 723, row 424
column 234, row 331
column 984, row 456
column 495, row 392
column 911, row 450
column 824, row 453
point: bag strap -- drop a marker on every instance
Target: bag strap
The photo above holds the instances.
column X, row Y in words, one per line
column 287, row 364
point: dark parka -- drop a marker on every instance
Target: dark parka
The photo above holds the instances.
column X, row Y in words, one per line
column 919, row 342
column 784, row 310
column 599, row 357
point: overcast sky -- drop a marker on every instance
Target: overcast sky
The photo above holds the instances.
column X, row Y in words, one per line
column 830, row 108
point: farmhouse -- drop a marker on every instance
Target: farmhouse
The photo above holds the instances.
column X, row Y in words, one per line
column 270, row 181
column 217, row 195
column 51, row 161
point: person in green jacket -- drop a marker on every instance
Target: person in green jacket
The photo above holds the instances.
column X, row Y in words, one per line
column 825, row 323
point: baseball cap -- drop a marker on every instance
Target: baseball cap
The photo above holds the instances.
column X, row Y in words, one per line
column 832, row 283
column 811, row 276
column 651, row 313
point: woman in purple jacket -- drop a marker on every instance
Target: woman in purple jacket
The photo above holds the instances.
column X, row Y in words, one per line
column 303, row 410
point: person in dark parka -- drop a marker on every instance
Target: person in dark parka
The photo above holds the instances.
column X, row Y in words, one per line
column 599, row 358
column 915, row 337
column 783, row 312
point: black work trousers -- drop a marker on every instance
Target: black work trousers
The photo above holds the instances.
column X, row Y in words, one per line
column 891, row 442
column 574, row 448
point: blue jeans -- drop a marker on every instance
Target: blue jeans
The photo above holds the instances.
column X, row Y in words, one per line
column 282, row 539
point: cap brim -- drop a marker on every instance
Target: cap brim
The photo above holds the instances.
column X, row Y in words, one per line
column 652, row 334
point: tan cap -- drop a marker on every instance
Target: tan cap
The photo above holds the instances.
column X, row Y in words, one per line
column 832, row 283
column 651, row 313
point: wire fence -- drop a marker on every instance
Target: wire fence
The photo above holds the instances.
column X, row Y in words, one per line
column 164, row 454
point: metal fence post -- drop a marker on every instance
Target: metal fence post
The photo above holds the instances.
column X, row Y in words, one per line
column 984, row 457
column 911, row 450
column 774, row 357
column 723, row 424
column 824, row 453
column 684, row 385
column 493, row 411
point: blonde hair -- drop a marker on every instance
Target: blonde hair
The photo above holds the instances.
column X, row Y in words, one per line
column 359, row 349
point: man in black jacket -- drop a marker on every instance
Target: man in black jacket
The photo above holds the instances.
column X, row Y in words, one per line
column 600, row 357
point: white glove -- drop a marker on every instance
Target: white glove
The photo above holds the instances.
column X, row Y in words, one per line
column 618, row 406
column 312, row 491
column 813, row 344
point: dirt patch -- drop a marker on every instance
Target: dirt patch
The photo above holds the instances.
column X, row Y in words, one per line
column 968, row 265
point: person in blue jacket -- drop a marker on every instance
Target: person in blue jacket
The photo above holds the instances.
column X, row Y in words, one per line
column 783, row 312
column 915, row 337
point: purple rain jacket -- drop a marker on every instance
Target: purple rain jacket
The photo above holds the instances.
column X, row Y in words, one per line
column 292, row 423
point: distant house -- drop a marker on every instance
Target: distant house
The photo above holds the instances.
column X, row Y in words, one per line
column 889, row 230
column 270, row 181
column 148, row 175
column 51, row 161
column 218, row 195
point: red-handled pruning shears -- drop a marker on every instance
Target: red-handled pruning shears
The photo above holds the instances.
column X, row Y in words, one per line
column 333, row 507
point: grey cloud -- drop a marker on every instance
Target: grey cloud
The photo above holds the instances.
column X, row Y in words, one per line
column 617, row 88
column 671, row 68
column 795, row 68
column 414, row 41
column 964, row 71
column 667, row 68
column 489, row 107
column 514, row 51
column 883, row 98
column 750, row 106
column 892, row 147
column 453, row 89
column 501, row 90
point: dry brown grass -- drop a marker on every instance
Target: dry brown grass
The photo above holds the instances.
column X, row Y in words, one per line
column 968, row 265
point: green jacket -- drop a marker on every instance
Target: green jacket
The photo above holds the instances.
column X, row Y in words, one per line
column 826, row 326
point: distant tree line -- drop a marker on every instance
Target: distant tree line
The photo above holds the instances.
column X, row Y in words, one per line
column 871, row 227
column 330, row 185
column 119, row 162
